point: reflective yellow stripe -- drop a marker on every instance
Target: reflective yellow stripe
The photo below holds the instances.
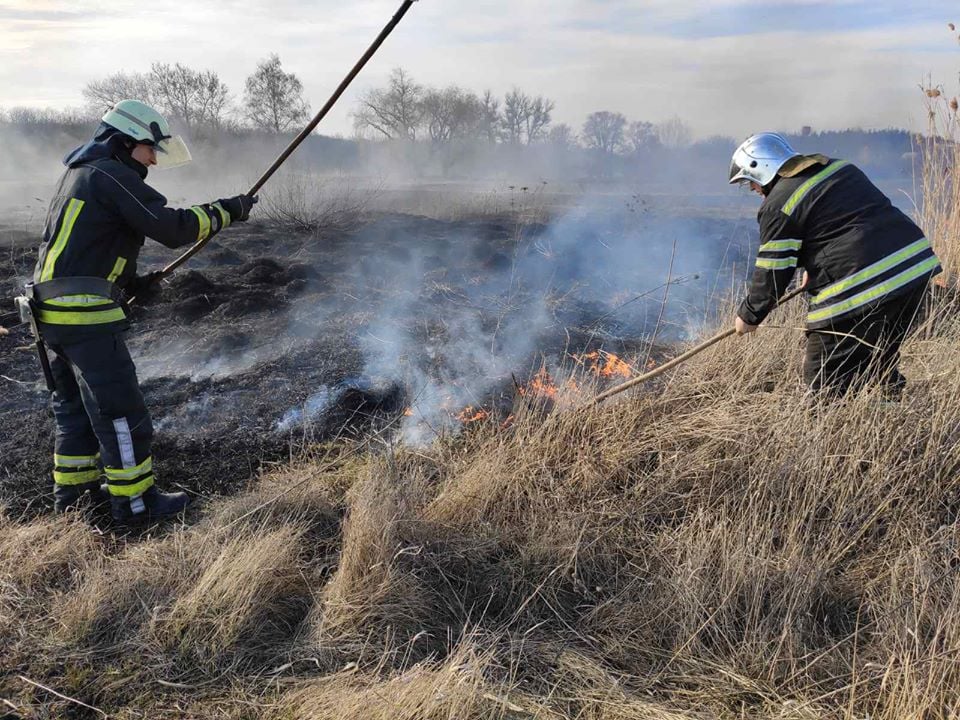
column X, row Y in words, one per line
column 77, row 461
column 871, row 271
column 204, row 221
column 776, row 263
column 70, row 215
column 100, row 317
column 878, row 291
column 131, row 490
column 777, row 245
column 75, row 478
column 78, row 301
column 801, row 192
column 224, row 216
column 118, row 267
column 130, row 473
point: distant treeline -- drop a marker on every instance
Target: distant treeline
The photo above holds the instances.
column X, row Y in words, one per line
column 405, row 127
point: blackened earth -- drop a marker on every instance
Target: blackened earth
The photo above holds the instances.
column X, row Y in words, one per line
column 261, row 346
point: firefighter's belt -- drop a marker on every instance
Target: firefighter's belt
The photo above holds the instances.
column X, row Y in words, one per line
column 59, row 287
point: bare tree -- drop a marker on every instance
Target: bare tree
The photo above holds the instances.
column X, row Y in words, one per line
column 451, row 114
column 674, row 133
column 538, row 117
column 641, row 135
column 103, row 94
column 196, row 98
column 562, row 137
column 489, row 117
column 516, row 106
column 274, row 99
column 395, row 111
column 603, row 131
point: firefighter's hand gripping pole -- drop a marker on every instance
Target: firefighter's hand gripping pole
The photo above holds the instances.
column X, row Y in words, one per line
column 680, row 359
column 309, row 128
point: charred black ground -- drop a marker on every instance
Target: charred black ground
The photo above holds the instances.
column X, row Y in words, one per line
column 270, row 340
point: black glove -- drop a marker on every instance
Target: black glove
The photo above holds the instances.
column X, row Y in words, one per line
column 143, row 285
column 239, row 206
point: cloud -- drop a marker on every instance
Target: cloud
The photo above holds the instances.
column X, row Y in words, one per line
column 726, row 66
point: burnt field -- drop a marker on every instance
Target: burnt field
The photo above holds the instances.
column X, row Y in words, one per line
column 399, row 329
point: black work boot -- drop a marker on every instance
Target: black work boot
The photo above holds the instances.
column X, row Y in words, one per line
column 70, row 497
column 152, row 504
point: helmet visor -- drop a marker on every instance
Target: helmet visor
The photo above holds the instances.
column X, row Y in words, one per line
column 172, row 152
column 736, row 173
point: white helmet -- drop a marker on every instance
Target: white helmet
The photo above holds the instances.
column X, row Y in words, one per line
column 145, row 125
column 760, row 157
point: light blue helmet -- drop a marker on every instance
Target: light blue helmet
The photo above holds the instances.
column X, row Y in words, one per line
column 145, row 125
column 759, row 158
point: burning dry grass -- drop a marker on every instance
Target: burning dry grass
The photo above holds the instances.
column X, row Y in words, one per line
column 712, row 546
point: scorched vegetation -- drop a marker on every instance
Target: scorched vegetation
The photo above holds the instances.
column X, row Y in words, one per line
column 709, row 546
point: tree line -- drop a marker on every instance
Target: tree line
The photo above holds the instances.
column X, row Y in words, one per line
column 406, row 110
column 201, row 103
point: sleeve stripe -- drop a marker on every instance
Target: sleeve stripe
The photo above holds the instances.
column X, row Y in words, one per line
column 777, row 245
column 776, row 264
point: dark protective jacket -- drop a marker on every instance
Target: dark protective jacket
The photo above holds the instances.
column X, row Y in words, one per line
column 95, row 227
column 860, row 251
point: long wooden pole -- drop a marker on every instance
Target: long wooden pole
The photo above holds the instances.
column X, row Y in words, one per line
column 194, row 249
column 680, row 359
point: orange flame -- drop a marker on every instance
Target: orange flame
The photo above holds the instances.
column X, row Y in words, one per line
column 541, row 385
column 469, row 415
column 606, row 365
column 408, row 412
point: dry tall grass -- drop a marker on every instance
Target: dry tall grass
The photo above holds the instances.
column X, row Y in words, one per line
column 711, row 547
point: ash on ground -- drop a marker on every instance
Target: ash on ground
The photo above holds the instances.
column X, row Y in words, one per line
column 272, row 340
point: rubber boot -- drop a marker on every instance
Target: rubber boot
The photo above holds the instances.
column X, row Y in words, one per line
column 152, row 504
column 70, row 497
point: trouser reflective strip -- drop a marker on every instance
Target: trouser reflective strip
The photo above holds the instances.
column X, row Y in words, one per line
column 876, row 292
column 125, row 443
column 801, row 192
column 131, row 480
column 76, row 461
column 74, row 476
column 204, row 221
column 70, row 215
column 871, row 271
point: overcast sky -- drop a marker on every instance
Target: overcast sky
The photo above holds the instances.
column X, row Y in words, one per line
column 724, row 66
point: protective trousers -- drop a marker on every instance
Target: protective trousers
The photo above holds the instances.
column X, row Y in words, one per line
column 101, row 416
column 850, row 354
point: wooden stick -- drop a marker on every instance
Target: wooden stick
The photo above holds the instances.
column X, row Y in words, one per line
column 680, row 359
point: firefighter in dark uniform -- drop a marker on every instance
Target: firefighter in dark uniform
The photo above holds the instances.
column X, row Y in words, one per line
column 96, row 225
column 867, row 264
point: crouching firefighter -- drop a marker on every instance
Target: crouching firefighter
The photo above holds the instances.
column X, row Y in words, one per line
column 95, row 227
column 867, row 264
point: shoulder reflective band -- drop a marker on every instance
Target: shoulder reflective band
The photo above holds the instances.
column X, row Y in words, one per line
column 204, row 221
column 876, row 292
column 118, row 267
column 779, row 245
column 98, row 317
column 871, row 271
column 70, row 215
column 777, row 263
column 801, row 192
